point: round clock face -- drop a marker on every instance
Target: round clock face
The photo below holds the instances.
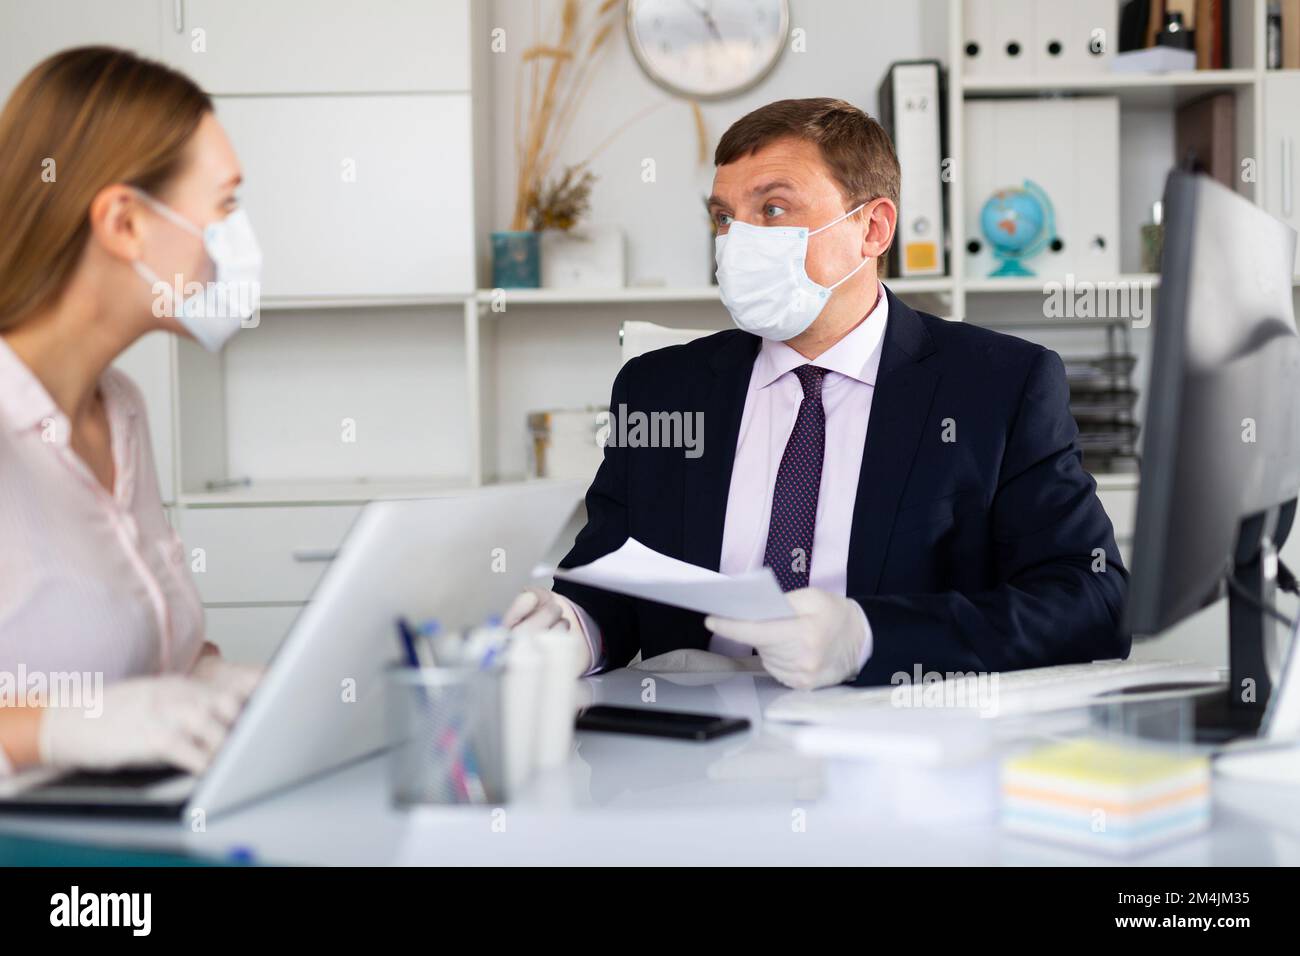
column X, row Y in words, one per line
column 707, row 49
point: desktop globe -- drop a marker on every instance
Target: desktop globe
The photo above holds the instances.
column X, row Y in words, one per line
column 1018, row 223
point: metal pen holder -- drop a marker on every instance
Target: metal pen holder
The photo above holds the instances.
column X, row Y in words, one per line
column 446, row 726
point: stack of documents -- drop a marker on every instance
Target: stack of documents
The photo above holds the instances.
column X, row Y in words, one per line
column 642, row 572
column 1106, row 796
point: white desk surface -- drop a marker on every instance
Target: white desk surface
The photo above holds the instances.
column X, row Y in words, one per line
column 643, row 801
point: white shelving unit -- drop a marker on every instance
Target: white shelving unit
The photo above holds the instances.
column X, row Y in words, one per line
column 487, row 315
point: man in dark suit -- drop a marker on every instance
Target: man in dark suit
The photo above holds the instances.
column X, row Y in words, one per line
column 915, row 484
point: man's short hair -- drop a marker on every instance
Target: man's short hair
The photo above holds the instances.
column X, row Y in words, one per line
column 853, row 145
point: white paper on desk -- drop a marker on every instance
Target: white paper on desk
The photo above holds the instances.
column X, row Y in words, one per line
column 641, row 572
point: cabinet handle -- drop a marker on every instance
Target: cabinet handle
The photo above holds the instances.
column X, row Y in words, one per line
column 1287, row 184
column 314, row 555
column 178, row 15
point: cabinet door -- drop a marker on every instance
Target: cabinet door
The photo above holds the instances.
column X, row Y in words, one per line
column 1280, row 170
column 319, row 46
column 149, row 363
column 249, row 635
column 358, row 195
column 29, row 32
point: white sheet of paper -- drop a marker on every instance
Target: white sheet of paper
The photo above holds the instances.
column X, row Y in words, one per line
column 641, row 572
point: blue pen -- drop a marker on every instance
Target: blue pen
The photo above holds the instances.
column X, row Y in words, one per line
column 407, row 637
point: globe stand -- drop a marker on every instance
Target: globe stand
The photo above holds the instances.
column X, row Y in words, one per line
column 1011, row 268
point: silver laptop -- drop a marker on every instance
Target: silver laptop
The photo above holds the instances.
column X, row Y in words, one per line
column 457, row 559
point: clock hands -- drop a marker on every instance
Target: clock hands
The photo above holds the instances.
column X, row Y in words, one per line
column 707, row 16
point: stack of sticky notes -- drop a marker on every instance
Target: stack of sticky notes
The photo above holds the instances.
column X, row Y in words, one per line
column 1106, row 795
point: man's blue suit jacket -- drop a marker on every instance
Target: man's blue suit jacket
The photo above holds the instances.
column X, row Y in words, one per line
column 978, row 542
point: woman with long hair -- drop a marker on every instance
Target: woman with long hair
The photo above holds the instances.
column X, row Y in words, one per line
column 119, row 218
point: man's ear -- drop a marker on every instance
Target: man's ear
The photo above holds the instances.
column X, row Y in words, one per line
column 115, row 221
column 882, row 220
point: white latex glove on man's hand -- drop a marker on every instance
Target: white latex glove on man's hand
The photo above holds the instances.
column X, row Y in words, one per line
column 216, row 672
column 823, row 644
column 537, row 609
column 142, row 722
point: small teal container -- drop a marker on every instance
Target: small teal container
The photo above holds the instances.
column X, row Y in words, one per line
column 516, row 260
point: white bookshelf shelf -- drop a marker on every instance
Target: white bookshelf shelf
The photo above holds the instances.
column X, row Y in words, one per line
column 321, row 492
column 1038, row 284
column 629, row 295
column 1136, row 89
column 315, row 303
column 626, row 295
column 633, row 295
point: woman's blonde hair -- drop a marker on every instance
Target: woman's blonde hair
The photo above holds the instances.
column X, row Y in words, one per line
column 81, row 120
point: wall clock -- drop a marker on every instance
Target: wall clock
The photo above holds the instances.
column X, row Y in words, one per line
column 707, row 49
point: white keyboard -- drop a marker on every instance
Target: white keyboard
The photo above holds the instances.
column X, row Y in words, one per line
column 1037, row 689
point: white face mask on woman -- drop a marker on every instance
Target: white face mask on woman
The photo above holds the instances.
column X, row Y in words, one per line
column 763, row 280
column 215, row 313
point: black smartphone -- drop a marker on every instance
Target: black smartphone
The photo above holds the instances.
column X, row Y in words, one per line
column 649, row 722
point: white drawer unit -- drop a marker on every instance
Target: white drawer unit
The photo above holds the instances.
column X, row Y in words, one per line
column 249, row 635
column 358, row 195
column 318, row 46
column 262, row 555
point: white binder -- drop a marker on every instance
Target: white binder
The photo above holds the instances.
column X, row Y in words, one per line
column 1039, row 37
column 999, row 36
column 911, row 105
column 1075, row 38
column 1070, row 148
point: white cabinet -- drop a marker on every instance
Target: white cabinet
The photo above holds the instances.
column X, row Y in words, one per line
column 319, row 46
column 358, row 195
column 263, row 555
column 31, row 31
column 1280, row 170
column 149, row 364
column 249, row 635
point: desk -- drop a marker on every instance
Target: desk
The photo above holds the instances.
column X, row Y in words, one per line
column 642, row 801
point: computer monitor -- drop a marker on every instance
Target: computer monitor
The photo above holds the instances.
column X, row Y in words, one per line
column 1221, row 440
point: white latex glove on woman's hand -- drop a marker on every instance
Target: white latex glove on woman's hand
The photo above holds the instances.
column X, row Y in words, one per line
column 142, row 722
column 825, row 643
column 221, row 674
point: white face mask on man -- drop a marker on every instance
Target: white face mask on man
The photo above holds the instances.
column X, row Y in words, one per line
column 215, row 313
column 763, row 280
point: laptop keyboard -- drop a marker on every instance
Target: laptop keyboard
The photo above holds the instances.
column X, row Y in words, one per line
column 135, row 777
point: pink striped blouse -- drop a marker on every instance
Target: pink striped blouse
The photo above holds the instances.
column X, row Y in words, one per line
column 90, row 580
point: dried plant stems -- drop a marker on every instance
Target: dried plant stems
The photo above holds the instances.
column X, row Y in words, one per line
column 558, row 75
